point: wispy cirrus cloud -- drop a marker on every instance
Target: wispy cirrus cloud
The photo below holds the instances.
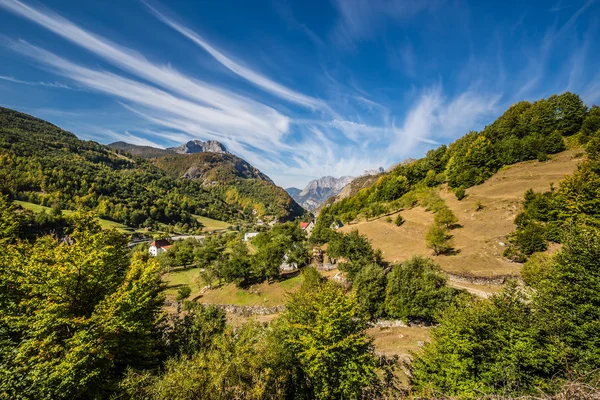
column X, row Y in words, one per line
column 239, row 69
column 267, row 130
column 360, row 19
column 56, row 85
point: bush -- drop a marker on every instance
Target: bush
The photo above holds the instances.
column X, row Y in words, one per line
column 438, row 240
column 460, row 193
column 183, row 293
column 479, row 206
column 388, row 220
column 399, row 220
column 531, row 238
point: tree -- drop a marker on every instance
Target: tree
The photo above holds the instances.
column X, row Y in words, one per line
column 591, row 124
column 74, row 315
column 237, row 266
column 445, row 216
column 325, row 332
column 570, row 112
column 530, row 238
column 416, row 289
column 196, row 329
column 9, row 221
column 485, row 347
column 369, row 286
column 438, row 239
column 568, row 296
column 356, row 249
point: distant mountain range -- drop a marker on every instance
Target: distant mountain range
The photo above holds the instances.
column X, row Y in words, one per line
column 318, row 190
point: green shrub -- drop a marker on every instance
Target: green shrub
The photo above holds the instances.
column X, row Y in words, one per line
column 460, row 193
column 399, row 220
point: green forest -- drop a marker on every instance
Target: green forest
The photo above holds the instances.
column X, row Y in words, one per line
column 82, row 316
column 42, row 164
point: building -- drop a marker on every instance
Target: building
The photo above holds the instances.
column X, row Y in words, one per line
column 307, row 226
column 158, row 246
column 248, row 236
column 337, row 224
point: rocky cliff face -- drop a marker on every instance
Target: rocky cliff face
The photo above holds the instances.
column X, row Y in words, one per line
column 318, row 190
column 198, row 146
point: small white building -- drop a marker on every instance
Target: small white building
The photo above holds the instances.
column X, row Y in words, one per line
column 158, row 246
column 248, row 236
column 337, row 224
column 307, row 227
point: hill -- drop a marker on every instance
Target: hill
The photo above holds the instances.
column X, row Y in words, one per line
column 526, row 131
column 236, row 181
column 43, row 164
column 139, row 151
column 210, row 167
column 478, row 243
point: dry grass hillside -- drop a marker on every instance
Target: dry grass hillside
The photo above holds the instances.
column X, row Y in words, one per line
column 477, row 242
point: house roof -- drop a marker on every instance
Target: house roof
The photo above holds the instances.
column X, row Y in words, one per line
column 160, row 243
column 304, row 225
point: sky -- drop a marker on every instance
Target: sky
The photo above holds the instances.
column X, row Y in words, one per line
column 300, row 89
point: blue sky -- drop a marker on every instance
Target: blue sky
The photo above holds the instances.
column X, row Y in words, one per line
column 300, row 89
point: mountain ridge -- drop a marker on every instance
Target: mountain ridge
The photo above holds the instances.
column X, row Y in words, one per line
column 318, row 190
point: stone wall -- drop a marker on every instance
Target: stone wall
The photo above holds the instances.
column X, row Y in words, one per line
column 247, row 311
column 481, row 280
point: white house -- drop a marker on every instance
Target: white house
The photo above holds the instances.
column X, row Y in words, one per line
column 336, row 224
column 158, row 246
column 248, row 236
column 307, row 226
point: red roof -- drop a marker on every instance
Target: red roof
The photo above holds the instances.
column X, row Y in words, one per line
column 160, row 243
column 304, row 225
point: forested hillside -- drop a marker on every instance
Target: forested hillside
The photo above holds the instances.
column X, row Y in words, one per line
column 43, row 164
column 526, row 131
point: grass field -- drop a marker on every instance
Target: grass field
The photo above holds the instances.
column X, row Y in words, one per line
column 211, row 224
column 263, row 294
column 477, row 243
column 104, row 223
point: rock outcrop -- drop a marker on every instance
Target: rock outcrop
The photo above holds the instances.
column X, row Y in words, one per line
column 198, row 146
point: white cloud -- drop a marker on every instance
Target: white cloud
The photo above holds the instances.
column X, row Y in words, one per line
column 434, row 118
column 267, row 129
column 133, row 62
column 56, row 85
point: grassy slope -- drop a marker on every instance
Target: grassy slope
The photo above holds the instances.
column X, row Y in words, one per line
column 211, row 224
column 478, row 240
column 264, row 294
column 104, row 223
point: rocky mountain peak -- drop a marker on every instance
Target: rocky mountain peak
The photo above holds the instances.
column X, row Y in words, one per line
column 198, row 146
column 318, row 190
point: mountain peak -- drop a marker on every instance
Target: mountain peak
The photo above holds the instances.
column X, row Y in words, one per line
column 198, row 146
column 319, row 190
